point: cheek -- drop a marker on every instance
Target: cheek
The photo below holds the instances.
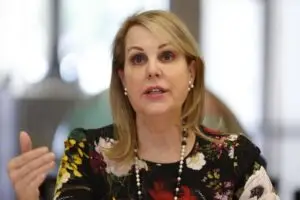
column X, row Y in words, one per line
column 179, row 78
column 131, row 80
column 179, row 85
column 182, row 88
column 134, row 83
column 135, row 94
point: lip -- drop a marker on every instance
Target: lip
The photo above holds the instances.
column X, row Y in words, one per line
column 154, row 87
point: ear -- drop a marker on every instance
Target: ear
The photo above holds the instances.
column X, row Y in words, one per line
column 192, row 69
column 121, row 76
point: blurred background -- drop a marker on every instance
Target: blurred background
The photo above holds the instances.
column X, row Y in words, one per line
column 55, row 71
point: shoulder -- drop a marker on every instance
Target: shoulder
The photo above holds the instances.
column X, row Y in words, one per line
column 228, row 139
column 237, row 158
column 235, row 148
column 85, row 134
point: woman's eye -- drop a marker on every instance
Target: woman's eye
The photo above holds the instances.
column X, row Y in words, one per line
column 167, row 56
column 138, row 59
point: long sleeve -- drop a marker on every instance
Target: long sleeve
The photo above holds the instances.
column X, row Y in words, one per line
column 253, row 180
column 75, row 179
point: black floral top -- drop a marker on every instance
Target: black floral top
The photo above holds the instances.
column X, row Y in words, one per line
column 232, row 169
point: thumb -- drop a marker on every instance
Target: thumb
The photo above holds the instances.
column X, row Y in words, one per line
column 25, row 142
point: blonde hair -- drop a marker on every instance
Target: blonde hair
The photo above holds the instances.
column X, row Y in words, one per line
column 125, row 131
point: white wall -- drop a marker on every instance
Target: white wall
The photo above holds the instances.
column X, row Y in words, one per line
column 284, row 91
column 232, row 34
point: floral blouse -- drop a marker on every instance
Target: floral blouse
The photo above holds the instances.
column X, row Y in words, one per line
column 232, row 169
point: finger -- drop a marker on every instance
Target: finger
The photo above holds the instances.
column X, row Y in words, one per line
column 33, row 165
column 37, row 182
column 30, row 190
column 43, row 170
column 33, row 176
column 21, row 160
column 25, row 142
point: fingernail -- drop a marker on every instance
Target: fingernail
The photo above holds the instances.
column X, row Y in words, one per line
column 45, row 149
column 23, row 132
column 52, row 155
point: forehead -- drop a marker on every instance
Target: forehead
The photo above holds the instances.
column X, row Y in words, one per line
column 139, row 35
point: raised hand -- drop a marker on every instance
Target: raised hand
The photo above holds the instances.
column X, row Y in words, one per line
column 28, row 170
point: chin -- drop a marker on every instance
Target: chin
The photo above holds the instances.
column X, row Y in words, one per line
column 156, row 110
column 154, row 113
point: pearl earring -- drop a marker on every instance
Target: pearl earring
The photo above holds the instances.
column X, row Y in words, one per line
column 125, row 92
column 191, row 85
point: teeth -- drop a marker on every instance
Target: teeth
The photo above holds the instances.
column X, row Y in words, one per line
column 155, row 90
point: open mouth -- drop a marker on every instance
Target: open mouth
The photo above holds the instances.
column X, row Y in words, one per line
column 155, row 90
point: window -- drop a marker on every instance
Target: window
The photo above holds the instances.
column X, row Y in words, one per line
column 233, row 47
column 24, row 41
column 88, row 30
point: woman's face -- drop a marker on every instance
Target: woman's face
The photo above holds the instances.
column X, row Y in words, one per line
column 155, row 74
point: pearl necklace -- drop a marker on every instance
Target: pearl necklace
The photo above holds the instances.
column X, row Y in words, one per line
column 180, row 169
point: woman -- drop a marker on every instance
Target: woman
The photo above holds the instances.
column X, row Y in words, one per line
column 155, row 149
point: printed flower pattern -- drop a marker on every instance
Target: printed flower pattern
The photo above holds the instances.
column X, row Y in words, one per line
column 110, row 166
column 70, row 163
column 196, row 161
column 159, row 191
column 213, row 171
column 259, row 187
column 223, row 190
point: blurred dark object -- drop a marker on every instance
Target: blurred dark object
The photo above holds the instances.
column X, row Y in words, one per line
column 275, row 183
column 47, row 188
column 297, row 194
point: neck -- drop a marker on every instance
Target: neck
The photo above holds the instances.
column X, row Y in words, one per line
column 159, row 132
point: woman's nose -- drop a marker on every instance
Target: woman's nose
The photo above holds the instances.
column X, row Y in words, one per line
column 153, row 69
